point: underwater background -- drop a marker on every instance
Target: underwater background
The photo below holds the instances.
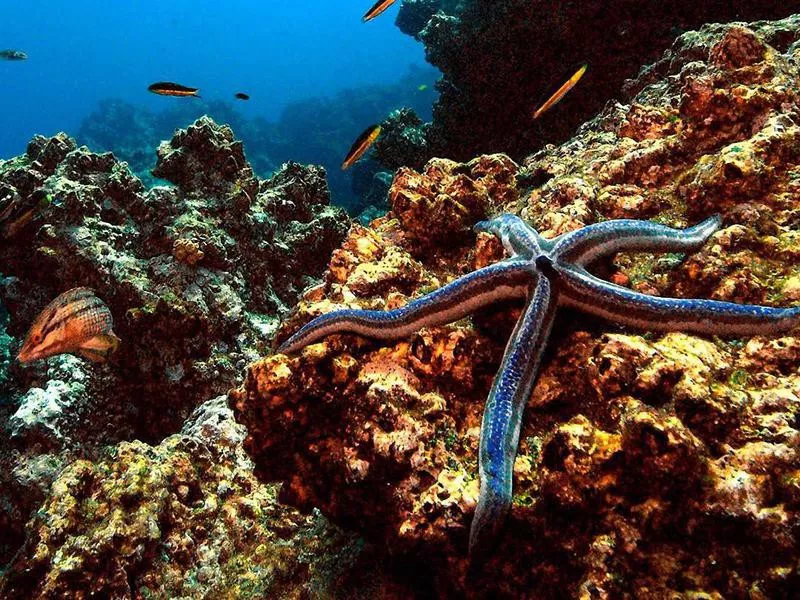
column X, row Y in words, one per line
column 315, row 76
column 318, row 340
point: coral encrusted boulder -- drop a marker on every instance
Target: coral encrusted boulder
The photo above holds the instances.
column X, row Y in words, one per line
column 196, row 277
column 654, row 466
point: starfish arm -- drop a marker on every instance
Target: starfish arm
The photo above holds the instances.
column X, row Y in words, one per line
column 503, row 414
column 711, row 317
column 500, row 281
column 517, row 237
column 585, row 245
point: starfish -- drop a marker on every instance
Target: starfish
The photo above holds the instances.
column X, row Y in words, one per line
column 548, row 274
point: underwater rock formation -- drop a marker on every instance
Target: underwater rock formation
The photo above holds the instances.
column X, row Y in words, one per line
column 662, row 465
column 185, row 518
column 501, row 59
column 195, row 276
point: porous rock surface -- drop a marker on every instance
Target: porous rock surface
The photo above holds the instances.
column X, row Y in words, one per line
column 195, row 275
column 651, row 466
column 182, row 519
column 500, row 59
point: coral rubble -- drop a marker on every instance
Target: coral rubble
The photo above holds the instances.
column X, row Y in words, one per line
column 662, row 466
column 195, row 275
column 501, row 58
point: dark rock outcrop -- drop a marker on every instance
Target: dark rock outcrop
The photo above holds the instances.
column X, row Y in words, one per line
column 501, row 58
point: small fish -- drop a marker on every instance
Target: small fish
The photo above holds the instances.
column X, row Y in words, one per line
column 380, row 6
column 561, row 92
column 423, row 87
column 76, row 322
column 13, row 55
column 361, row 145
column 167, row 88
column 242, row 96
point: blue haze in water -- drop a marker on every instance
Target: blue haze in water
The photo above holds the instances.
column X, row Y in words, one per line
column 280, row 52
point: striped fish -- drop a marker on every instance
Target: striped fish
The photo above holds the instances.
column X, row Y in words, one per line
column 76, row 322
column 380, row 6
column 361, row 145
column 561, row 92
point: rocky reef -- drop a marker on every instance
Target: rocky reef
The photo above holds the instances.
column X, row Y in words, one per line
column 649, row 465
column 196, row 277
column 501, row 59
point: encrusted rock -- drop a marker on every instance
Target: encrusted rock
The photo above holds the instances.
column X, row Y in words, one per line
column 185, row 518
column 663, row 465
column 447, row 198
column 195, row 277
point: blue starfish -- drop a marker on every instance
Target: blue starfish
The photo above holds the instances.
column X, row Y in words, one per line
column 549, row 273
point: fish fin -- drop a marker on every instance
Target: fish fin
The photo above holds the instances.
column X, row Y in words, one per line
column 196, row 95
column 99, row 348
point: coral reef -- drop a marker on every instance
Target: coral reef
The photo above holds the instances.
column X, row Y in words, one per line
column 661, row 466
column 131, row 132
column 500, row 59
column 195, row 276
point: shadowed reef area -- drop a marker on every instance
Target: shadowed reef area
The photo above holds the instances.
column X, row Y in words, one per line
column 501, row 58
column 200, row 464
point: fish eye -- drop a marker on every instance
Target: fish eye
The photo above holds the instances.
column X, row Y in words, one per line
column 36, row 338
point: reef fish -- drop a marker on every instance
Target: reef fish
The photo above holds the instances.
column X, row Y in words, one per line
column 561, row 92
column 361, row 145
column 13, row 55
column 380, row 6
column 76, row 322
column 167, row 88
column 242, row 96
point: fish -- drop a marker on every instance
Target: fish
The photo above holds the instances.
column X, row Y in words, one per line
column 76, row 322
column 561, row 92
column 242, row 96
column 13, row 55
column 423, row 87
column 167, row 88
column 378, row 8
column 361, row 145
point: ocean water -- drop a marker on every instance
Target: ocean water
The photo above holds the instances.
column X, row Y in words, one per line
column 84, row 53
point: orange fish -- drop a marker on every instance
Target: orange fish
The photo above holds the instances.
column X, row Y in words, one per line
column 167, row 88
column 361, row 145
column 76, row 322
column 556, row 98
column 380, row 6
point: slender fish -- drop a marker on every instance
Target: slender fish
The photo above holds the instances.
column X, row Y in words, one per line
column 168, row 88
column 380, row 6
column 361, row 145
column 76, row 322
column 561, row 92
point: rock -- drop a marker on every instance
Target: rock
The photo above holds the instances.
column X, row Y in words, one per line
column 660, row 463
column 447, row 198
column 184, row 518
column 190, row 275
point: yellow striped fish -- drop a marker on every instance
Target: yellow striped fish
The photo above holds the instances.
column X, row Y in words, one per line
column 361, row 145
column 561, row 92
column 380, row 6
column 76, row 322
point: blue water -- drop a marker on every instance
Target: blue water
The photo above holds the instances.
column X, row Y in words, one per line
column 278, row 51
